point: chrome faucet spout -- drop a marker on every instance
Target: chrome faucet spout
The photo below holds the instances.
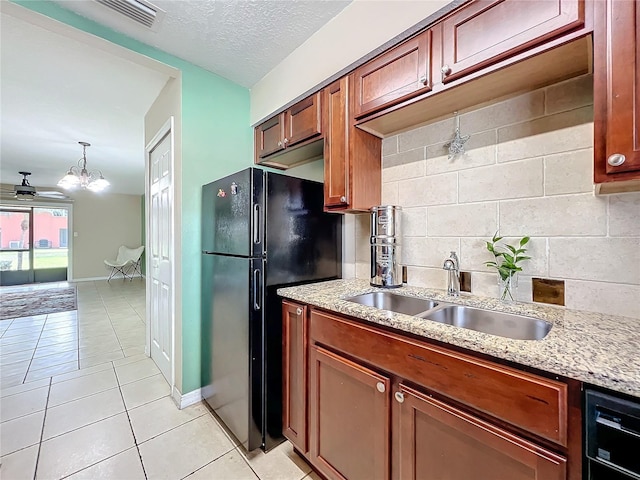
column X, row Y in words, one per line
column 452, row 265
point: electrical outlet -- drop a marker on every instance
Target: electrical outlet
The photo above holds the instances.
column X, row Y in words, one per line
column 546, row 290
column 465, row 282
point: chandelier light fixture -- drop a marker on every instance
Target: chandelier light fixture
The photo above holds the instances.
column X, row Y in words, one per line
column 79, row 176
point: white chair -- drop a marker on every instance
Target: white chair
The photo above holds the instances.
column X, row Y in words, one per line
column 127, row 262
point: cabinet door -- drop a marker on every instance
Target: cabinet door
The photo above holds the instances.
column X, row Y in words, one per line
column 487, row 31
column 304, row 120
column 336, row 144
column 269, row 136
column 350, row 415
column 294, row 370
column 437, row 440
column 617, row 91
column 394, row 76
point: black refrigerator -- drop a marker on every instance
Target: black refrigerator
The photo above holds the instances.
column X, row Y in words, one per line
column 260, row 231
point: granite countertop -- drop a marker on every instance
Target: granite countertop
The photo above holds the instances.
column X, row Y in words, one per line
column 599, row 349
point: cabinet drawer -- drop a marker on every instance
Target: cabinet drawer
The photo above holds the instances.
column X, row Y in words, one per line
column 487, row 31
column 533, row 403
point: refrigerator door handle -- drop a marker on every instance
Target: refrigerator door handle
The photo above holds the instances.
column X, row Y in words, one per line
column 256, row 290
column 256, row 224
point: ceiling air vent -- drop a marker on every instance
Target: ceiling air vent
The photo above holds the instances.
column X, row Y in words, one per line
column 140, row 11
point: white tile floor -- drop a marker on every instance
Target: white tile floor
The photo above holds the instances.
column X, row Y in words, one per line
column 79, row 399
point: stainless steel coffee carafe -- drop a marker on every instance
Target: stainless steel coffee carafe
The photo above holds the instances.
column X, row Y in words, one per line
column 386, row 270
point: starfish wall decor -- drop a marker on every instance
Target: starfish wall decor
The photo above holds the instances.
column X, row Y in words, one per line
column 456, row 145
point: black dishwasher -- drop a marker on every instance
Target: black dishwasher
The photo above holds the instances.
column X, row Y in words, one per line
column 612, row 437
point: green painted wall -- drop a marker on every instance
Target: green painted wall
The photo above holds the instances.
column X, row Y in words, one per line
column 216, row 140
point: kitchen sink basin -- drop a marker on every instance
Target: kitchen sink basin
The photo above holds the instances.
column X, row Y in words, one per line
column 394, row 303
column 487, row 321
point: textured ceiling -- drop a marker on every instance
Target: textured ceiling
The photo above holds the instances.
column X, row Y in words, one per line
column 56, row 91
column 241, row 40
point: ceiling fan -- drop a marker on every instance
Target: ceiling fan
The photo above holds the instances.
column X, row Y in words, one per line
column 26, row 192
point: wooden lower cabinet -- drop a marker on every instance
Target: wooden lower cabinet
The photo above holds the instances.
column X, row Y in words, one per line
column 438, row 441
column 382, row 405
column 294, row 374
column 349, row 421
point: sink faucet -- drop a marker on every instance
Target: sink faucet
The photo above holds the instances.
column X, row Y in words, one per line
column 452, row 265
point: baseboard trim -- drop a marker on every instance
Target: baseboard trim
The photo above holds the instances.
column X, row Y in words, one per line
column 183, row 401
column 93, row 279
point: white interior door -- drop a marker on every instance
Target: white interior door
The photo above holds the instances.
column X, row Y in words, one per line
column 160, row 260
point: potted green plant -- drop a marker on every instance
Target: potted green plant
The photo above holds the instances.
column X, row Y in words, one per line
column 507, row 257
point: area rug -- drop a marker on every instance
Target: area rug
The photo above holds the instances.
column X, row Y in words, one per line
column 29, row 303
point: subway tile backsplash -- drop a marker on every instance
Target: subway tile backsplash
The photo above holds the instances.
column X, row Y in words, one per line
column 527, row 170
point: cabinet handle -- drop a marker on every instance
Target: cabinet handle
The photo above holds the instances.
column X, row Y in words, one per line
column 616, row 159
column 446, row 70
column 285, row 141
column 423, row 79
column 380, row 386
column 299, row 311
column 279, row 143
column 343, row 199
column 399, row 397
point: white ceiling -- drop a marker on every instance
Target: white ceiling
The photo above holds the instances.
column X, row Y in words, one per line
column 57, row 91
column 241, row 40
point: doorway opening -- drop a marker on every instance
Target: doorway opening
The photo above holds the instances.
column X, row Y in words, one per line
column 34, row 244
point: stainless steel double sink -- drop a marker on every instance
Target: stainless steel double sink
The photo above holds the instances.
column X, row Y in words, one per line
column 502, row 324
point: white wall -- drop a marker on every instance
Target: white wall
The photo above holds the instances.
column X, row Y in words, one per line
column 528, row 170
column 103, row 222
column 360, row 28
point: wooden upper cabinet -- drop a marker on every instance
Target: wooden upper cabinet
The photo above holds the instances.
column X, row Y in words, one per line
column 396, row 75
column 336, row 144
column 269, row 136
column 298, row 126
column 617, row 92
column 304, row 120
column 484, row 32
column 437, row 440
column 350, row 418
column 352, row 157
column 294, row 373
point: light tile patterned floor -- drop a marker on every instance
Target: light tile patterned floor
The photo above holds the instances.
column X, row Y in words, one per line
column 84, row 402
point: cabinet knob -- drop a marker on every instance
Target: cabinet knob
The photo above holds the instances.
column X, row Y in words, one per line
column 616, row 159
column 343, row 199
column 279, row 143
column 380, row 386
column 299, row 311
column 423, row 79
column 399, row 397
column 446, row 70
column 285, row 141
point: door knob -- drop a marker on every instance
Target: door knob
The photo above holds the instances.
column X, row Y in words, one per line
column 380, row 386
column 616, row 159
column 399, row 397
